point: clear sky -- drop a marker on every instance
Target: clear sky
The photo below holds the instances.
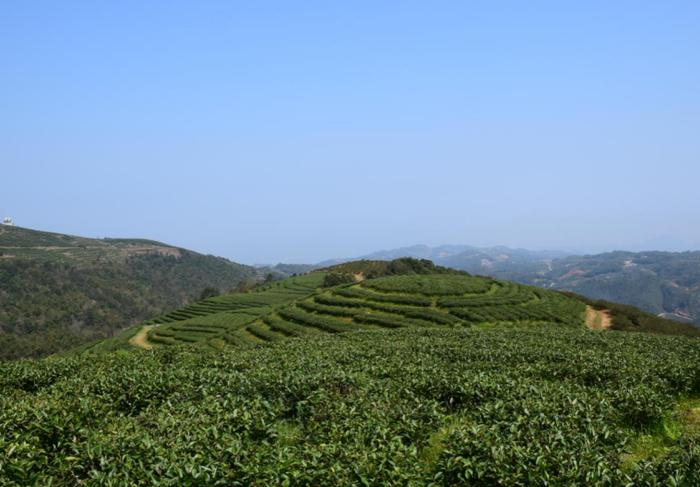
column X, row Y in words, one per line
column 299, row 131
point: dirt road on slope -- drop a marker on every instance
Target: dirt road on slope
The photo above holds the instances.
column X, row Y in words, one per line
column 598, row 319
column 141, row 338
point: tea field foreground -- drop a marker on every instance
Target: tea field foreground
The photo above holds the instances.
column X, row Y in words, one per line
column 528, row 405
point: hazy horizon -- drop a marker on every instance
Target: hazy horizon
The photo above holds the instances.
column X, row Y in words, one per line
column 666, row 245
column 287, row 133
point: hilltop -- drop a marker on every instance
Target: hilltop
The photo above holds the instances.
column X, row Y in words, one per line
column 664, row 283
column 419, row 375
column 367, row 294
column 25, row 243
column 59, row 291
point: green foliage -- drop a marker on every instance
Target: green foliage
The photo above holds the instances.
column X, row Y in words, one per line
column 294, row 308
column 371, row 269
column 59, row 291
column 429, row 285
column 287, row 328
column 656, row 282
column 264, row 332
column 299, row 306
column 217, row 317
column 547, row 405
column 338, row 278
column 472, row 381
column 357, row 292
column 208, row 292
column 322, row 322
column 629, row 318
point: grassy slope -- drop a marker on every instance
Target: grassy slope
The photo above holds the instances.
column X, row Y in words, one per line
column 59, row 291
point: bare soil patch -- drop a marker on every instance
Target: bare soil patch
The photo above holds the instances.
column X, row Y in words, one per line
column 141, row 338
column 598, row 319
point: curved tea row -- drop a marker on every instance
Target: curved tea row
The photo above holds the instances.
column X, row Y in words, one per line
column 297, row 307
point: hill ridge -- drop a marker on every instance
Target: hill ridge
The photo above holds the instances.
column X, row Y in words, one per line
column 60, row 291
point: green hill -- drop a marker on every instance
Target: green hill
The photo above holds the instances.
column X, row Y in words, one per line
column 404, row 379
column 58, row 291
column 302, row 306
column 664, row 283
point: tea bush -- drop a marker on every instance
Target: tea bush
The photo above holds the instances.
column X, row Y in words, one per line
column 551, row 405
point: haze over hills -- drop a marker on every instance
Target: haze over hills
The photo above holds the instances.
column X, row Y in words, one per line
column 663, row 283
column 58, row 291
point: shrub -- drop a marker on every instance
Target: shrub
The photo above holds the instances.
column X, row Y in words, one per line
column 337, row 278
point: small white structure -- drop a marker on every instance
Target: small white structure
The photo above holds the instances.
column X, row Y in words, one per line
column 8, row 221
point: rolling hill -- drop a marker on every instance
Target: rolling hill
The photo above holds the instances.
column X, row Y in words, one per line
column 58, row 291
column 420, row 375
column 403, row 293
column 663, row 283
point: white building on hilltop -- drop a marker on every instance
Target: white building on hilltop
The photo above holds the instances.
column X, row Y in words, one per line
column 8, row 221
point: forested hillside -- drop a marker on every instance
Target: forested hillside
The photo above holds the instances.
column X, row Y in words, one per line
column 665, row 283
column 59, row 291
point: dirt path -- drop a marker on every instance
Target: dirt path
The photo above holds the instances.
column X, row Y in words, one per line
column 598, row 319
column 141, row 338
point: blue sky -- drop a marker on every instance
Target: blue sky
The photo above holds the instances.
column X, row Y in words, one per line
column 299, row 131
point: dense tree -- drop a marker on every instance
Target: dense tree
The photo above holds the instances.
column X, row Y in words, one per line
column 49, row 306
column 209, row 292
column 336, row 278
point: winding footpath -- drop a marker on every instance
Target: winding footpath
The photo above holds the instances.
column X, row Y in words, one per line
column 141, row 338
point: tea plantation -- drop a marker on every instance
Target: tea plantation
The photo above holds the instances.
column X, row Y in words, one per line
column 399, row 380
column 299, row 306
column 223, row 319
column 500, row 406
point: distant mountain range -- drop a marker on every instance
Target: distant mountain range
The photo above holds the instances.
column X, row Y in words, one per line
column 58, row 291
column 664, row 283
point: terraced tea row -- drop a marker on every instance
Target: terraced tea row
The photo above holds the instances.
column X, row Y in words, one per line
column 219, row 320
column 446, row 285
column 417, row 301
column 297, row 307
